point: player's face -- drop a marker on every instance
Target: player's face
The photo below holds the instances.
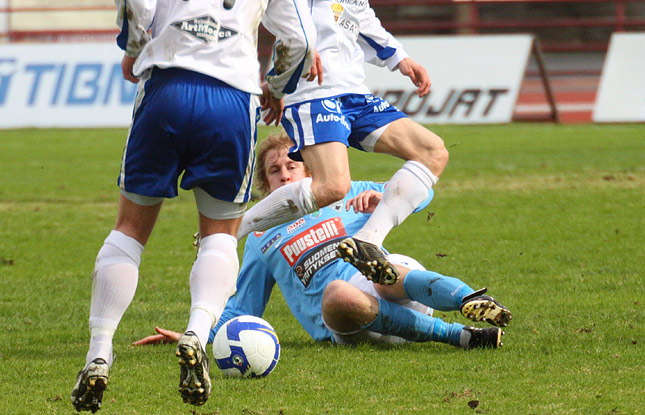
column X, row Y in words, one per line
column 281, row 170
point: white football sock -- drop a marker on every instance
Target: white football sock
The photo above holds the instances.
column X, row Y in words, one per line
column 404, row 192
column 212, row 281
column 289, row 202
column 114, row 283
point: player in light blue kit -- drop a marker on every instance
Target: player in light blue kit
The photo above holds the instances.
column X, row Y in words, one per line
column 194, row 116
column 329, row 297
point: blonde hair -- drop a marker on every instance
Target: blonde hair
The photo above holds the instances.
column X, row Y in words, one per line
column 276, row 142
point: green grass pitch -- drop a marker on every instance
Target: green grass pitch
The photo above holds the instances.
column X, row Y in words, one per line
column 550, row 217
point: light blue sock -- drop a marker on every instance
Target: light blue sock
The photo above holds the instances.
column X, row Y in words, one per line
column 435, row 290
column 394, row 319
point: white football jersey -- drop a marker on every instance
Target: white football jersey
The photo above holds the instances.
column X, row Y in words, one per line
column 219, row 38
column 349, row 33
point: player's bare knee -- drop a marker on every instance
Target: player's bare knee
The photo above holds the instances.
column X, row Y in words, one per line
column 335, row 307
column 341, row 297
column 441, row 156
column 415, row 143
column 434, row 156
column 333, row 296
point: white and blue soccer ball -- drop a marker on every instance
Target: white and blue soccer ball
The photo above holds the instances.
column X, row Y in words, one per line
column 246, row 347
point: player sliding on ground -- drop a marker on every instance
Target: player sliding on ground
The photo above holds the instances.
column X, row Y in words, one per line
column 328, row 297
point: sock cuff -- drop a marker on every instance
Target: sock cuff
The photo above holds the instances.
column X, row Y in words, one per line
column 411, row 283
column 221, row 241
column 207, row 309
column 307, row 197
column 126, row 244
column 383, row 306
column 421, row 172
column 103, row 326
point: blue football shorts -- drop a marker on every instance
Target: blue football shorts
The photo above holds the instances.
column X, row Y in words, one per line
column 350, row 119
column 188, row 123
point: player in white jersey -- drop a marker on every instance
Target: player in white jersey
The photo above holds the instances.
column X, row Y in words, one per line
column 330, row 298
column 194, row 117
column 323, row 120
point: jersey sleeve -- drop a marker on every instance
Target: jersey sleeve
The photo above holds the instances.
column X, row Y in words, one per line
column 134, row 17
column 361, row 186
column 379, row 47
column 254, row 286
column 291, row 23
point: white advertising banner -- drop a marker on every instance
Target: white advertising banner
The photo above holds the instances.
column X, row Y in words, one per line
column 475, row 79
column 64, row 85
column 621, row 95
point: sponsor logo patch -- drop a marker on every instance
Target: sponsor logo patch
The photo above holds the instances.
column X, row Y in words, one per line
column 382, row 106
column 331, row 105
column 296, row 225
column 359, row 4
column 332, row 118
column 338, row 10
column 349, row 25
column 270, row 242
column 315, row 214
column 337, row 206
column 333, row 113
column 315, row 259
column 323, row 232
column 205, row 29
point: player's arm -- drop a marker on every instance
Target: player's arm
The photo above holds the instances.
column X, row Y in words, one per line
column 273, row 107
column 163, row 336
column 382, row 49
column 291, row 23
column 134, row 17
column 378, row 45
column 417, row 74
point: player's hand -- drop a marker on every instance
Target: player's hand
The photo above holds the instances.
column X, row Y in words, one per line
column 164, row 336
column 364, row 202
column 417, row 74
column 316, row 70
column 127, row 63
column 271, row 106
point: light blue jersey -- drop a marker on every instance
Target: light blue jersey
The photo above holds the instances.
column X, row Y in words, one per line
column 301, row 258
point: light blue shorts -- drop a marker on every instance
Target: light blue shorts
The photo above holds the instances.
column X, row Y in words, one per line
column 191, row 124
column 350, row 119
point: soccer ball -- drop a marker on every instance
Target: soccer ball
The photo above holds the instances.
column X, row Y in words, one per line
column 246, row 347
